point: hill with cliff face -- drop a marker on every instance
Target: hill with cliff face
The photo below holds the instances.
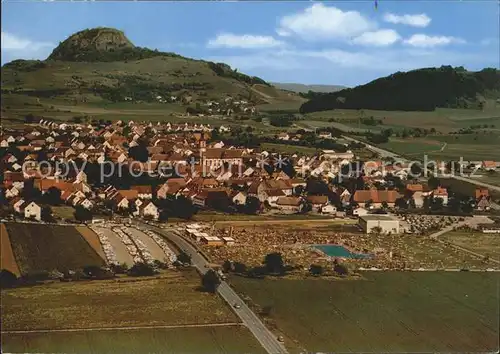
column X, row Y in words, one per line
column 82, row 45
column 99, row 68
column 417, row 90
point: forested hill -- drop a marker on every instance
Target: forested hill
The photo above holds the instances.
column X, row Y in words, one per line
column 418, row 90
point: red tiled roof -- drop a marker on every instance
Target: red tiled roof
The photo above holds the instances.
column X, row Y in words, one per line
column 292, row 201
column 377, row 196
column 317, row 199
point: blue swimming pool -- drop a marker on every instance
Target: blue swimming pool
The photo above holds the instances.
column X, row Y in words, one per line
column 339, row 251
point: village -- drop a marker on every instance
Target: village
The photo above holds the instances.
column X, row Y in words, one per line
column 93, row 173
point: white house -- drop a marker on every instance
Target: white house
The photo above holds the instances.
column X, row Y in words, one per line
column 33, row 211
column 148, row 209
column 359, row 212
column 11, row 192
column 240, row 198
column 17, row 205
column 329, row 209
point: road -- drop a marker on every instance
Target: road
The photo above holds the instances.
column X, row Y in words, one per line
column 265, row 337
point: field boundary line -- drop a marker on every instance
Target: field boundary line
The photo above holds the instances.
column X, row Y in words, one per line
column 225, row 324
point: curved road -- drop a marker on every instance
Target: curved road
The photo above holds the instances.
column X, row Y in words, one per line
column 265, row 337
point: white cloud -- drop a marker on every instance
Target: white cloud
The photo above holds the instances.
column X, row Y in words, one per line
column 425, row 41
column 419, row 20
column 12, row 42
column 379, row 61
column 320, row 22
column 247, row 41
column 380, row 38
column 16, row 47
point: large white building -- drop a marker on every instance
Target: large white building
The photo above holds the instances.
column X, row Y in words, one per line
column 370, row 223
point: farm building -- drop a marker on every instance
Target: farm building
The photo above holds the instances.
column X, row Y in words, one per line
column 386, row 223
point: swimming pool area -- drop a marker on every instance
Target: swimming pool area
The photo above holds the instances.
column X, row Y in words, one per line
column 340, row 251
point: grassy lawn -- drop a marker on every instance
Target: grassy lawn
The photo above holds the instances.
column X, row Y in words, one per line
column 387, row 312
column 485, row 244
column 172, row 299
column 234, row 339
column 64, row 212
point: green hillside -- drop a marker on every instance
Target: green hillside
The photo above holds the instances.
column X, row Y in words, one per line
column 418, row 90
column 100, row 67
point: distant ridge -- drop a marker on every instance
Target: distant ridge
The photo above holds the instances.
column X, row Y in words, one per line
column 417, row 90
column 302, row 88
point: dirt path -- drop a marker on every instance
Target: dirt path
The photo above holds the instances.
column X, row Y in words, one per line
column 125, row 328
column 92, row 239
column 7, row 259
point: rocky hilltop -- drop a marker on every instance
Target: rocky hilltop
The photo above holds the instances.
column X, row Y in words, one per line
column 90, row 41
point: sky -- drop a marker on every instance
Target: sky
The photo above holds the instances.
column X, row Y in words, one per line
column 338, row 42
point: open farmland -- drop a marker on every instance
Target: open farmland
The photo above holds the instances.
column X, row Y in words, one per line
column 39, row 247
column 477, row 146
column 170, row 299
column 482, row 243
column 229, row 340
column 387, row 312
column 442, row 119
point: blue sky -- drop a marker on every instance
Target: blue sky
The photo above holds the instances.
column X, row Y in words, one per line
column 346, row 43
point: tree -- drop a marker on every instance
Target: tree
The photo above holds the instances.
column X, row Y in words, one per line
column 132, row 208
column 227, row 266
column 341, row 269
column 141, row 269
column 52, row 196
column 274, row 263
column 163, row 217
column 97, row 272
column 240, row 268
column 437, row 203
column 401, row 203
column 433, row 182
column 7, row 279
column 29, row 118
column 316, row 269
column 385, row 205
column 184, row 207
column 82, row 214
column 210, row 281
column 184, row 258
column 252, row 205
column 139, row 152
column 46, row 214
column 377, row 230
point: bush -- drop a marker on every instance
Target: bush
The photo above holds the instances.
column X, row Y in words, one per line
column 7, row 279
column 341, row 269
column 141, row 269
